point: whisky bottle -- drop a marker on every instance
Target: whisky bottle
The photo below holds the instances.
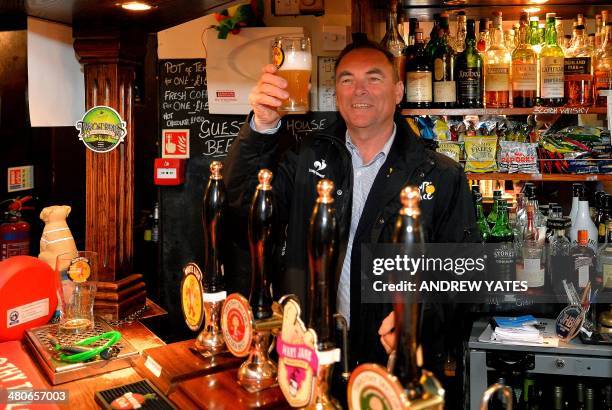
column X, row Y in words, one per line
column 524, row 69
column 577, row 71
column 418, row 76
column 551, row 67
column 603, row 68
column 393, row 41
column 483, row 35
column 444, row 83
column 469, row 71
column 497, row 67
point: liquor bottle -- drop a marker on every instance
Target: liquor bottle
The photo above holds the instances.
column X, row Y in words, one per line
column 583, row 221
column 589, row 398
column 582, row 260
column 606, row 398
column 407, row 315
column 533, row 401
column 393, row 41
column 461, row 34
column 591, row 41
column 493, row 215
column 580, row 399
column 551, row 67
column 524, row 69
column 539, row 218
column 214, row 205
column 497, row 67
column 433, row 37
column 419, row 92
column 413, row 25
column 481, row 221
column 558, row 402
column 602, row 216
column 262, row 234
column 577, row 191
column 604, row 260
column 475, row 191
column 559, row 28
column 577, row 72
column 469, row 71
column 530, row 264
column 536, row 46
column 558, row 254
column 567, row 43
column 603, row 68
column 504, row 252
column 599, row 32
column 444, row 84
column 483, row 35
column 155, row 225
column 322, row 246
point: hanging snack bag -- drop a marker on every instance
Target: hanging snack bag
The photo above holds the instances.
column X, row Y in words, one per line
column 518, row 157
column 480, row 154
column 451, row 149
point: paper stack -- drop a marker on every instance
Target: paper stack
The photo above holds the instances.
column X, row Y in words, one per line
column 516, row 330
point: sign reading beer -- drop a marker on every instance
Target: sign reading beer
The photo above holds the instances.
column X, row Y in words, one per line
column 191, row 296
column 297, row 357
column 237, row 324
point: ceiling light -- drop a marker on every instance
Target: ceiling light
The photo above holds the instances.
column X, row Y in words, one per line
column 531, row 10
column 136, row 6
column 539, row 1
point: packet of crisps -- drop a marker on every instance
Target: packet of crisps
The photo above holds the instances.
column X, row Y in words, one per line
column 480, row 154
column 451, row 149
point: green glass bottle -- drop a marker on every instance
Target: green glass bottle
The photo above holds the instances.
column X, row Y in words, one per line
column 551, row 67
column 433, row 37
column 481, row 221
column 469, row 71
column 444, row 83
column 502, row 232
column 492, row 217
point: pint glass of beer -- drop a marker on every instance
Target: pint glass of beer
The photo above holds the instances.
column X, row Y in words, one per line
column 291, row 54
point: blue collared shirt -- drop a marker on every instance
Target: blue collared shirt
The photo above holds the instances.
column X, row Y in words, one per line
column 363, row 178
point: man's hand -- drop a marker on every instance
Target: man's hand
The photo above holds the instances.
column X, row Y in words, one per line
column 266, row 97
column 387, row 333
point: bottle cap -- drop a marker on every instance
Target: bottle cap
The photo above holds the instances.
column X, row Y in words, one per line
column 557, row 209
column 475, row 188
column 583, row 237
column 215, row 170
column 580, row 27
column 577, row 188
column 497, row 194
column 477, row 197
column 265, row 178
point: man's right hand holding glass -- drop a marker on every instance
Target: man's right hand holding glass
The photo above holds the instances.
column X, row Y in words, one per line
column 266, row 97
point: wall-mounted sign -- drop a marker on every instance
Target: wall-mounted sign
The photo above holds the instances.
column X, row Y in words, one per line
column 101, row 129
column 20, row 178
column 175, row 143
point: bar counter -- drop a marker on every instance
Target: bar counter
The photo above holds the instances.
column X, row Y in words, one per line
column 187, row 379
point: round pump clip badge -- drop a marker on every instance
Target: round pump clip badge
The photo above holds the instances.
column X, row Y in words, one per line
column 237, row 324
column 569, row 322
column 79, row 270
column 191, row 296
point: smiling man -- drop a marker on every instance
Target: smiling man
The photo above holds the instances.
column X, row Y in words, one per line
column 370, row 154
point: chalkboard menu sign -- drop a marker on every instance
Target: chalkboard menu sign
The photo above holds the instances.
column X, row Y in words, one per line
column 183, row 104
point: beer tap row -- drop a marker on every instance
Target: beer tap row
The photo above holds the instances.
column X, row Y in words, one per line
column 307, row 350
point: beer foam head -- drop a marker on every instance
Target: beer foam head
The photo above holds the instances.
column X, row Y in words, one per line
column 297, row 60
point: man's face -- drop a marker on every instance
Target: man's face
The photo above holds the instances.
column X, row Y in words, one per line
column 366, row 90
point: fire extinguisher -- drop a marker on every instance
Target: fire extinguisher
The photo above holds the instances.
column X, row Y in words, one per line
column 15, row 233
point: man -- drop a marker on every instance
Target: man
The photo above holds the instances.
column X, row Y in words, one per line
column 370, row 155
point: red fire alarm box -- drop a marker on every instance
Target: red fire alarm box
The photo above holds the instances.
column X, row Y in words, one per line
column 169, row 171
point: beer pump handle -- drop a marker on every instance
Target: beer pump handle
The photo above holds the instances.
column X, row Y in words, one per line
column 341, row 320
column 506, row 391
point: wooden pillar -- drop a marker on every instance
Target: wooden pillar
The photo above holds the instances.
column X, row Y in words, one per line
column 109, row 61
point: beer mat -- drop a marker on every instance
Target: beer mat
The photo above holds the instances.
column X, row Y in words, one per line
column 143, row 393
column 550, row 339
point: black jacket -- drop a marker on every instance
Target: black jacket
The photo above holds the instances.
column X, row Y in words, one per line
column 447, row 213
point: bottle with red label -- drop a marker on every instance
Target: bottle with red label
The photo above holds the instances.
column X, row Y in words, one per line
column 14, row 232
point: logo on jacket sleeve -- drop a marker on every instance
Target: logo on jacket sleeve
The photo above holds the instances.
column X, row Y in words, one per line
column 318, row 166
column 427, row 190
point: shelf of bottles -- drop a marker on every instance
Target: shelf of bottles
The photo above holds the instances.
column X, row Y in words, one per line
column 501, row 176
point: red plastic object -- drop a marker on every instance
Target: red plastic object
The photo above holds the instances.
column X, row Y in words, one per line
column 169, row 171
column 28, row 295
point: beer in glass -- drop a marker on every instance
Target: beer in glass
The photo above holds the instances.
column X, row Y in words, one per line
column 292, row 56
